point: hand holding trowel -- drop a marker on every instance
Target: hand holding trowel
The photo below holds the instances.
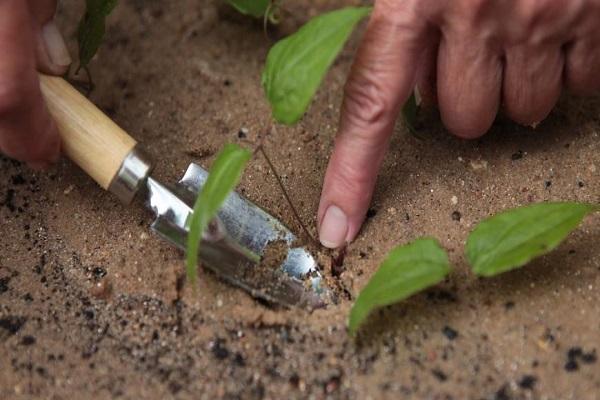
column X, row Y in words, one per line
column 232, row 247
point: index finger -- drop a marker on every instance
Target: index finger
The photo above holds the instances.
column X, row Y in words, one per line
column 381, row 80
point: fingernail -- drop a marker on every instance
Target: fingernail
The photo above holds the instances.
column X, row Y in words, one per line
column 334, row 228
column 55, row 45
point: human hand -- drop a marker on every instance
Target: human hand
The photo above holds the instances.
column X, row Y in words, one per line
column 29, row 41
column 469, row 56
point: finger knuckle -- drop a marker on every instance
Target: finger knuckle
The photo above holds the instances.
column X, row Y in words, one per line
column 365, row 102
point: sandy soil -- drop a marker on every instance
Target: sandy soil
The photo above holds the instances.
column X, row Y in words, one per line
column 88, row 298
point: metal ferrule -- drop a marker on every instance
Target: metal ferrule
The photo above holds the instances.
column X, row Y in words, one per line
column 132, row 175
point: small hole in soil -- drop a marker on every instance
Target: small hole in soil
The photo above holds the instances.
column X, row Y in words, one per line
column 337, row 262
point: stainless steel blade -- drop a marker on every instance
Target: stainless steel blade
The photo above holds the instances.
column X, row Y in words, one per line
column 234, row 243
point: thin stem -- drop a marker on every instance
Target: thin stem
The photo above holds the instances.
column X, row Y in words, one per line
column 285, row 194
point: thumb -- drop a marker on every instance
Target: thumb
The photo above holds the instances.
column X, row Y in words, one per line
column 51, row 51
column 381, row 80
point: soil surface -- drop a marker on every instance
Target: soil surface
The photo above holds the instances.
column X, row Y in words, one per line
column 92, row 304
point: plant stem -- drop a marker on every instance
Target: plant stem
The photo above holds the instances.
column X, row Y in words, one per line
column 287, row 197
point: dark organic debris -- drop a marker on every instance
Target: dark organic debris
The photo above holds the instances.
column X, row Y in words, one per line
column 576, row 354
column 217, row 347
column 12, row 324
column 4, row 284
column 371, row 212
column 502, row 393
column 589, row 358
column 450, row 333
column 527, row 382
column 99, row 272
column 439, row 374
column 442, row 296
column 9, row 199
column 28, row 340
column 571, row 366
column 337, row 262
column 517, row 156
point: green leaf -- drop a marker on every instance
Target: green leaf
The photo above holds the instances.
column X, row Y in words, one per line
column 224, row 175
column 513, row 238
column 254, row 8
column 91, row 28
column 407, row 270
column 297, row 64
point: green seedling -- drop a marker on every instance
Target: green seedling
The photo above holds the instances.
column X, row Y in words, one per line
column 224, row 175
column 513, row 238
column 92, row 27
column 407, row 270
column 254, row 8
column 297, row 64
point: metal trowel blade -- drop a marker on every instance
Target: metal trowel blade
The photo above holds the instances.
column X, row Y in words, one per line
column 235, row 242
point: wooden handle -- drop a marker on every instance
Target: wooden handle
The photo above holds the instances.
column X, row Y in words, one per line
column 89, row 137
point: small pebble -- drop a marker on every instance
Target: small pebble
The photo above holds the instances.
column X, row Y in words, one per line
column 69, row 189
column 479, row 165
column 454, row 200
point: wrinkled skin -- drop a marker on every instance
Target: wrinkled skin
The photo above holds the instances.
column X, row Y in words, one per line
column 472, row 58
column 27, row 132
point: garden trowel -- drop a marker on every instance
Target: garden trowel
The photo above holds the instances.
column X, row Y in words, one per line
column 234, row 243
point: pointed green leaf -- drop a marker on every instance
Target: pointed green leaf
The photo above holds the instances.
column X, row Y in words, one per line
column 297, row 64
column 407, row 270
column 224, row 175
column 91, row 28
column 513, row 238
column 254, row 8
